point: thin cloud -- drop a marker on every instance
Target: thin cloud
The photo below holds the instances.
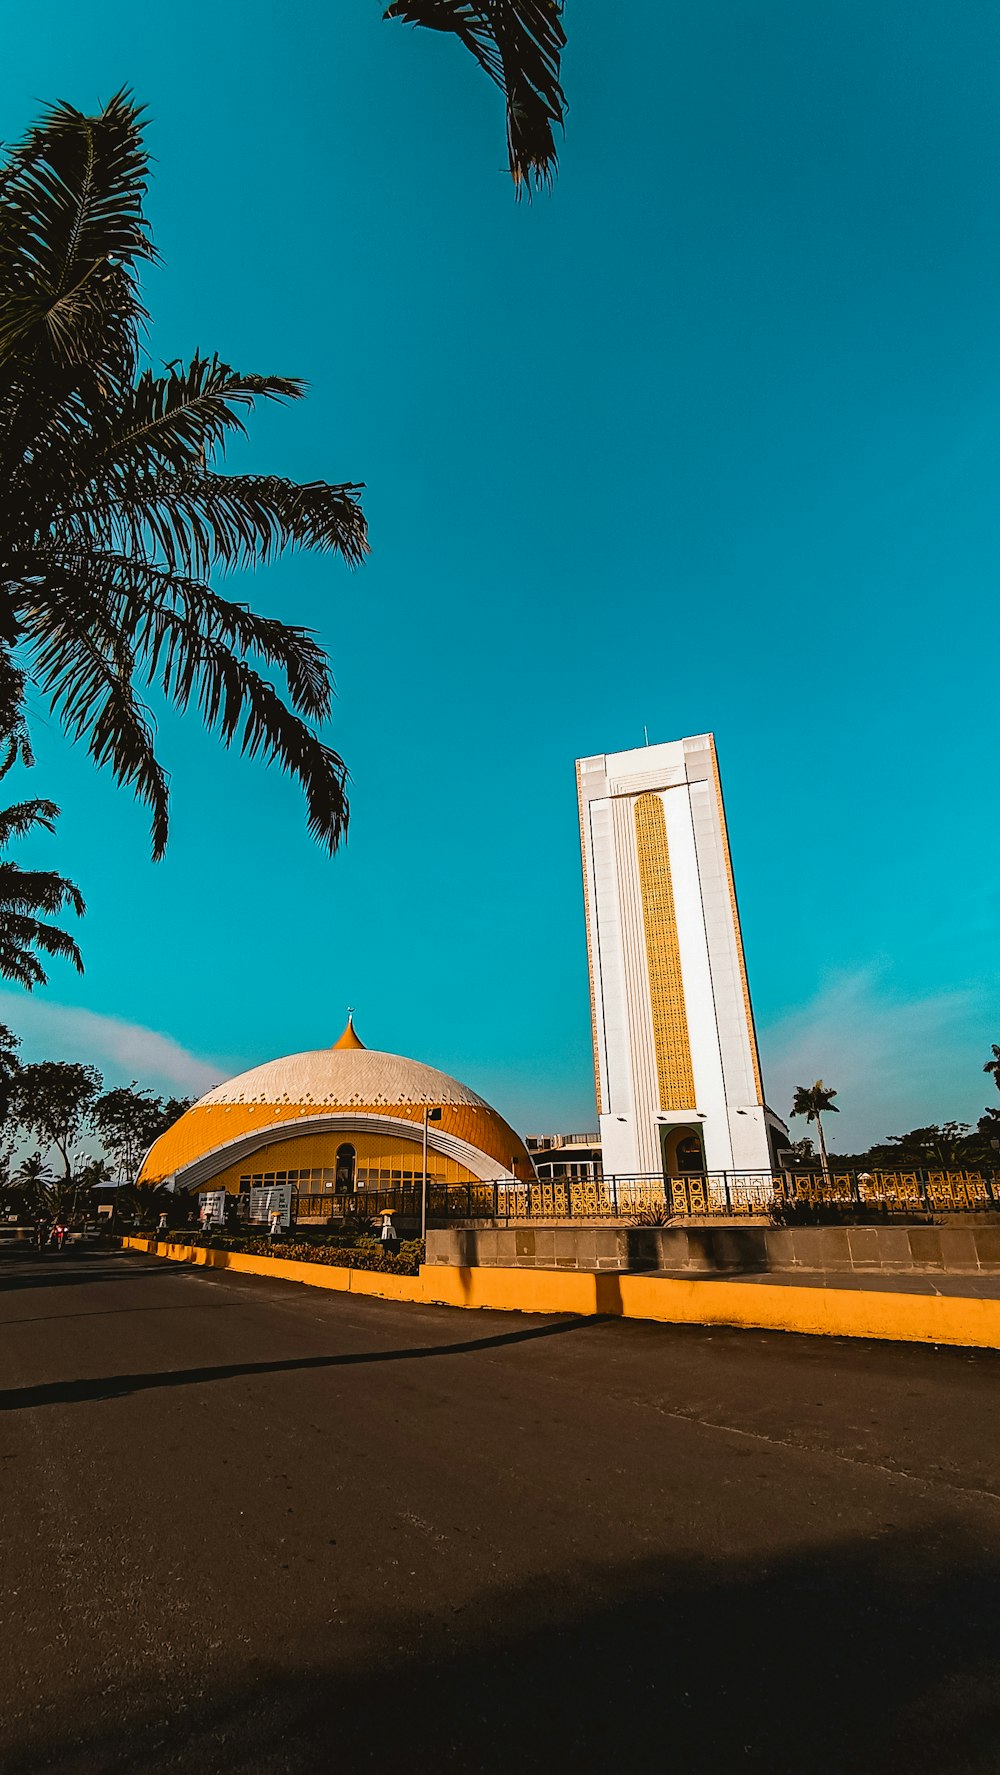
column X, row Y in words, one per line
column 895, row 1063
column 122, row 1050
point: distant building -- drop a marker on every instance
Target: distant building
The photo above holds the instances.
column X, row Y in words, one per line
column 575, row 1156
column 675, row 1051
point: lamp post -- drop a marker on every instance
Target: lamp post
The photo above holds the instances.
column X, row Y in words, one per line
column 430, row 1115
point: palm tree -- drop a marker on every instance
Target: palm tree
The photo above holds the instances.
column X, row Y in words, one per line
column 813, row 1102
column 115, row 510
column 38, row 1183
column 91, row 1175
column 24, row 893
column 519, row 44
column 993, row 1065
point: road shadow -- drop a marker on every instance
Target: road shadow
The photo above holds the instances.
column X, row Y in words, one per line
column 165, row 1306
column 82, row 1392
column 851, row 1655
column 63, row 1272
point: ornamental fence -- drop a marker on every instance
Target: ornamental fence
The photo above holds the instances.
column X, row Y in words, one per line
column 723, row 1194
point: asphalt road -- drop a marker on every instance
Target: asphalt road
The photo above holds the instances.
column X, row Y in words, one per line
column 253, row 1528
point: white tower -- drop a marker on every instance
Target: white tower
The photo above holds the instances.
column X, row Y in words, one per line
column 675, row 1052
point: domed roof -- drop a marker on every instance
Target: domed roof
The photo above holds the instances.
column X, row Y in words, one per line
column 328, row 1087
column 343, row 1076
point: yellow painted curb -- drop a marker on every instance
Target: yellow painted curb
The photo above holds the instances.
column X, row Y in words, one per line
column 314, row 1275
column 771, row 1306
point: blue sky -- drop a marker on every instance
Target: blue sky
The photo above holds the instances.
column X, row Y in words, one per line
column 707, row 439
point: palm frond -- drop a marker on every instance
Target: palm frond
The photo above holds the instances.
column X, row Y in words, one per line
column 84, row 667
column 162, row 613
column 21, row 966
column 146, row 617
column 186, row 608
column 181, row 635
column 197, row 519
column 15, row 741
column 71, row 197
column 22, row 818
column 234, row 699
column 38, row 890
column 179, row 419
column 20, row 936
column 519, row 44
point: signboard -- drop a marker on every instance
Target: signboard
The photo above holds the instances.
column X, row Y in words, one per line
column 273, row 1198
column 212, row 1205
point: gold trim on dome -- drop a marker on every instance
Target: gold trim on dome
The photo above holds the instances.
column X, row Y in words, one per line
column 209, row 1126
column 663, row 957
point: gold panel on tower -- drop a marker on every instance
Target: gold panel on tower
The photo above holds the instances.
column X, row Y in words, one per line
column 663, row 956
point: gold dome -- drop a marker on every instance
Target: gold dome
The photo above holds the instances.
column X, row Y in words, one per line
column 339, row 1091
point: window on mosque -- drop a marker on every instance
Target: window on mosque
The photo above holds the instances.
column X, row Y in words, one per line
column 315, row 1180
column 318, row 1178
column 378, row 1177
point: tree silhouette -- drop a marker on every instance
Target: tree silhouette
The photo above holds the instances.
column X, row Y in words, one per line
column 54, row 1101
column 128, row 1120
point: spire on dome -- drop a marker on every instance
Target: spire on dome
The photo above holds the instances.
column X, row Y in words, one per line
column 350, row 1037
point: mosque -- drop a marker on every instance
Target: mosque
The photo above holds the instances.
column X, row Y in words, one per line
column 676, row 1064
column 333, row 1121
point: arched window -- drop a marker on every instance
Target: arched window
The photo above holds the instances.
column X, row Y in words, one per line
column 346, row 1163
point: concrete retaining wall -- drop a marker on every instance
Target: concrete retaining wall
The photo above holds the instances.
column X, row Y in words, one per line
column 967, row 1250
column 834, row 1312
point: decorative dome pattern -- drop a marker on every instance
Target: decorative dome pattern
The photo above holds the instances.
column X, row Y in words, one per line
column 345, row 1077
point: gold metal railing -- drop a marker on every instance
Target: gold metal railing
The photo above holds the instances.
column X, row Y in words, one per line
column 720, row 1194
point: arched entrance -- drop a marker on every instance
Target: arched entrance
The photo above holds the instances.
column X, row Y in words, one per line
column 683, row 1152
column 347, row 1160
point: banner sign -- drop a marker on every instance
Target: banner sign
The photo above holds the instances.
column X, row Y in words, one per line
column 213, row 1207
column 275, row 1198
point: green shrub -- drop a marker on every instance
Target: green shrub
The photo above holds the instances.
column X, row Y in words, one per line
column 361, row 1253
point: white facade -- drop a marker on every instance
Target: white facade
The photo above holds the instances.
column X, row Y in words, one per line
column 675, row 1053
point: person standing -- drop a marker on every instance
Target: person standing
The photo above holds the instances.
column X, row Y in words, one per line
column 389, row 1237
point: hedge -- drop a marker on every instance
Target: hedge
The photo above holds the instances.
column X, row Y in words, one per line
column 367, row 1254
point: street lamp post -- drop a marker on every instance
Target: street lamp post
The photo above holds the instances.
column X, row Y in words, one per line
column 430, row 1115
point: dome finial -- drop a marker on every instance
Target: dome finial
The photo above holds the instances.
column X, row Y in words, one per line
column 350, row 1037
